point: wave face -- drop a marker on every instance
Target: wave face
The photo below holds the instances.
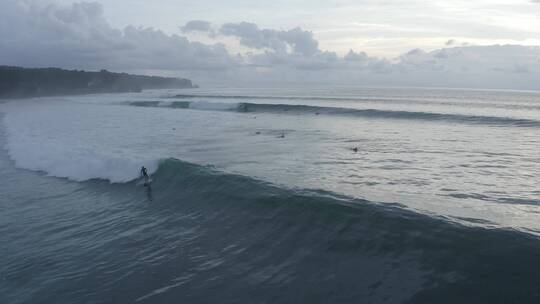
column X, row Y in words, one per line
column 249, row 241
column 300, row 109
column 299, row 239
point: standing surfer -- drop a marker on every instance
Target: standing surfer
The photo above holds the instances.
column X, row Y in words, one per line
column 144, row 174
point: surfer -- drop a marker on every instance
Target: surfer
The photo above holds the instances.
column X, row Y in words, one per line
column 144, row 174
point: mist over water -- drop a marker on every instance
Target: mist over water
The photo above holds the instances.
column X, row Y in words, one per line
column 272, row 195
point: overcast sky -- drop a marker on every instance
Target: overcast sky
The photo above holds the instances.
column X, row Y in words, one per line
column 475, row 43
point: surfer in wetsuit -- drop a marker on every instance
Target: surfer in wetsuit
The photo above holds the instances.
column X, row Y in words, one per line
column 144, row 174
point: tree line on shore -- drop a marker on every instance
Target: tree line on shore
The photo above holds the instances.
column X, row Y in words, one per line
column 17, row 82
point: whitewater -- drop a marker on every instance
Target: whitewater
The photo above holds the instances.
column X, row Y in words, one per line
column 301, row 194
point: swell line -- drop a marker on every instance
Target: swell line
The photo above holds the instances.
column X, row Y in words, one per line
column 399, row 100
column 246, row 107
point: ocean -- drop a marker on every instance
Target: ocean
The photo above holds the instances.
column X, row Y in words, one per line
column 272, row 195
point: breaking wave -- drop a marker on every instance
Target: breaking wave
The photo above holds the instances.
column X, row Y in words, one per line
column 245, row 107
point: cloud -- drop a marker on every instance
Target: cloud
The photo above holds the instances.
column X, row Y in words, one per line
column 196, row 26
column 299, row 41
column 352, row 56
column 477, row 59
column 295, row 48
column 79, row 36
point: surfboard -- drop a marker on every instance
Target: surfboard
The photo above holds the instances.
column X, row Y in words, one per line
column 143, row 183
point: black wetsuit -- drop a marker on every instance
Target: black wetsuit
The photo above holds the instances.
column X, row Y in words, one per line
column 144, row 174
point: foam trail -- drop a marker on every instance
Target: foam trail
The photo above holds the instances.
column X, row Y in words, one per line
column 195, row 105
column 76, row 164
column 80, row 166
column 51, row 145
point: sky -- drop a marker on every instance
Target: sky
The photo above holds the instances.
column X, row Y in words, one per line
column 444, row 43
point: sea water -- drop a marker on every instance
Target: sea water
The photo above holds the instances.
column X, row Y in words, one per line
column 332, row 194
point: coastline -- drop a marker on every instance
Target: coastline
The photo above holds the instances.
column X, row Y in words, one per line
column 20, row 83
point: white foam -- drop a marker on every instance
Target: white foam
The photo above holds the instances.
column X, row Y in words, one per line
column 213, row 106
column 98, row 137
column 61, row 139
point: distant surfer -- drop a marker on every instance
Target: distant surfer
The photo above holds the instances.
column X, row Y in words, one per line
column 355, row 149
column 144, row 174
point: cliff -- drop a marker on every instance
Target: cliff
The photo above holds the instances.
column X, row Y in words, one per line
column 17, row 82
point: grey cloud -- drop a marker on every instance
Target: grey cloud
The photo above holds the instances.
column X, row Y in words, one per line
column 319, row 61
column 413, row 53
column 517, row 68
column 302, row 41
column 78, row 36
column 299, row 41
column 352, row 56
column 196, row 26
column 480, row 61
column 293, row 48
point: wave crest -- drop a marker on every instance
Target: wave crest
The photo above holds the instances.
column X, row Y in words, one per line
column 246, row 107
